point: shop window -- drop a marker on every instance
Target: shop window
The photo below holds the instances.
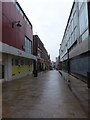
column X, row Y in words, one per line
column 16, row 62
column 12, row 61
column 26, row 62
column 22, row 62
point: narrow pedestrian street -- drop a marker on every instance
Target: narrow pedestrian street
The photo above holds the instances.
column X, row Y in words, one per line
column 45, row 96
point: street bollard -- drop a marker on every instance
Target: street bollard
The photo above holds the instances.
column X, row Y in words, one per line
column 35, row 73
column 88, row 79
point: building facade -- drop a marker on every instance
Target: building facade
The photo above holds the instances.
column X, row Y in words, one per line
column 58, row 63
column 43, row 59
column 16, row 42
column 75, row 45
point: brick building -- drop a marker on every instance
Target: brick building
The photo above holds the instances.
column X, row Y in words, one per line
column 43, row 59
column 16, row 42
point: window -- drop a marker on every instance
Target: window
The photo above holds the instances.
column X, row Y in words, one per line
column 12, row 61
column 17, row 7
column 80, row 5
column 72, row 25
column 26, row 62
column 75, row 33
column 84, row 36
column 22, row 62
column 73, row 38
column 13, row 1
column 28, row 45
column 25, row 18
column 83, row 19
column 30, row 62
column 27, row 21
column 81, row 2
column 75, row 19
column 70, row 41
column 39, row 54
column 28, row 48
column 21, row 13
column 68, row 31
column 16, row 62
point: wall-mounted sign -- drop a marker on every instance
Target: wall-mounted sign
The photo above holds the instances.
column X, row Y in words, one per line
column 19, row 52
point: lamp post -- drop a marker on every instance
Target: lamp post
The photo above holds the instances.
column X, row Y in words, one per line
column 17, row 23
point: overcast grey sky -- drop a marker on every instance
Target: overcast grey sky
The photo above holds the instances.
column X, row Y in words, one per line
column 49, row 19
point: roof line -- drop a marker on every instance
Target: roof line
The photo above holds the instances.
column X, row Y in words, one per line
column 23, row 13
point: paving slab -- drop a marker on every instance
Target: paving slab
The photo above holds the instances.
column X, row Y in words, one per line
column 45, row 96
column 79, row 88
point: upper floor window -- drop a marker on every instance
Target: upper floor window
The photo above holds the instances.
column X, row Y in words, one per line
column 83, row 19
column 75, row 19
column 81, row 3
column 28, row 45
column 17, row 7
column 27, row 21
column 13, row 1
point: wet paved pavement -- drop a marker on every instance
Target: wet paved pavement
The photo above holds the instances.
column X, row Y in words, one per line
column 46, row 96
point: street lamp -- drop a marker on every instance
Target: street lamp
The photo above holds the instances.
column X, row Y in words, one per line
column 17, row 23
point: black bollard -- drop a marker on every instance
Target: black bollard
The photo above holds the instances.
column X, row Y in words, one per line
column 88, row 79
column 35, row 73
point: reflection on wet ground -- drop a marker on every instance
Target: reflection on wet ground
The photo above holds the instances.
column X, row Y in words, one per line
column 46, row 96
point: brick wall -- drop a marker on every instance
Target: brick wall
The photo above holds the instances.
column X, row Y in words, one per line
column 14, row 36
